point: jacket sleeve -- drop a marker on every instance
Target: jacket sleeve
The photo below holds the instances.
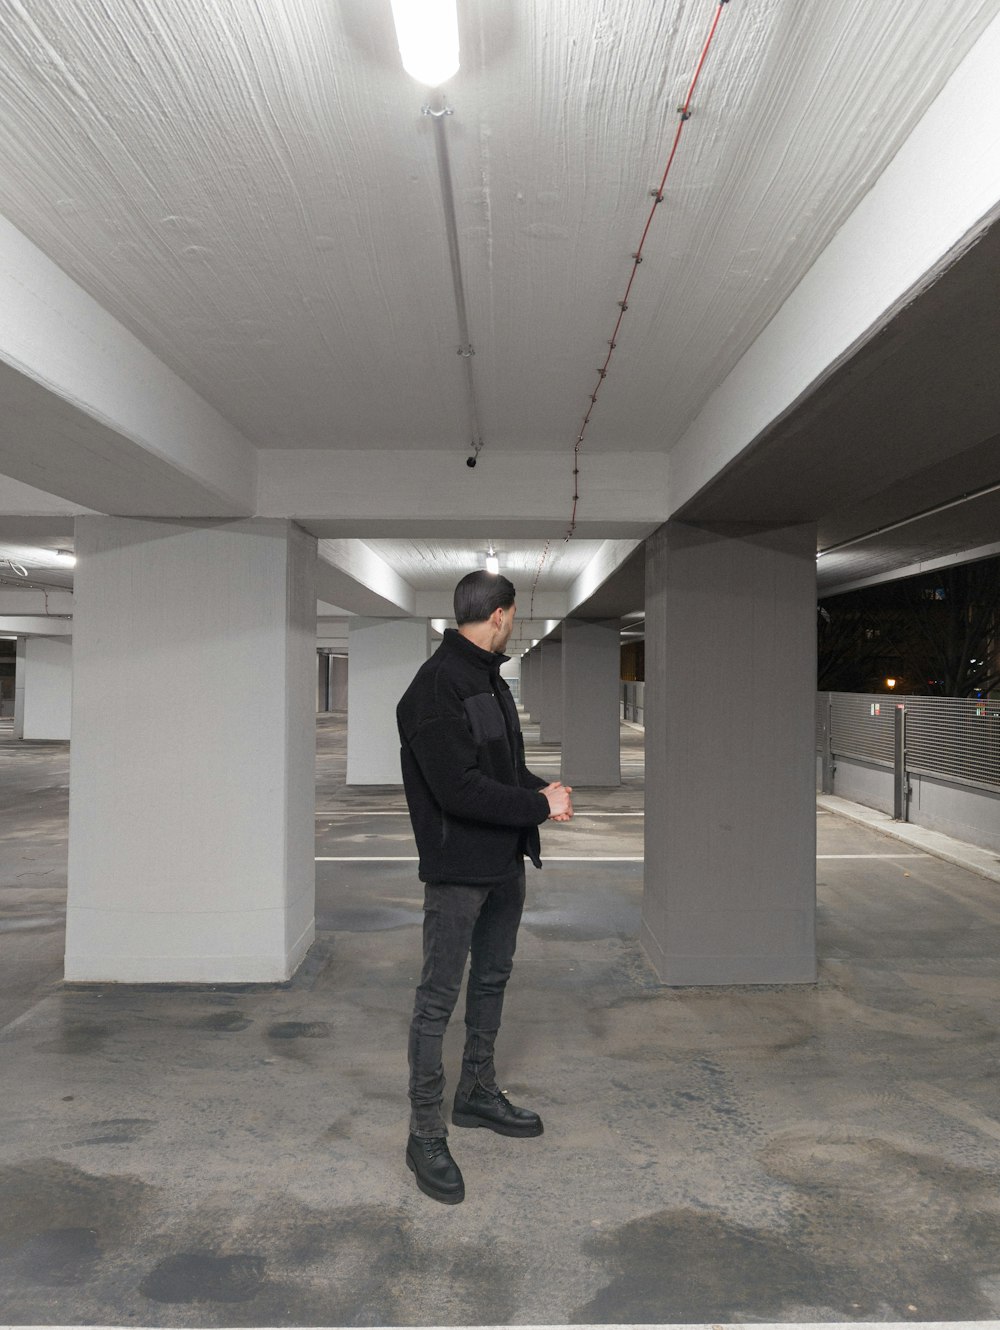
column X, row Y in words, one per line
column 525, row 777
column 445, row 751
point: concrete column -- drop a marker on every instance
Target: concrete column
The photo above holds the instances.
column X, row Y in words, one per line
column 338, row 683
column 591, row 727
column 511, row 671
column 530, row 683
column 730, row 880
column 48, row 687
column 19, row 673
column 322, row 682
column 384, row 655
column 550, row 657
column 192, row 774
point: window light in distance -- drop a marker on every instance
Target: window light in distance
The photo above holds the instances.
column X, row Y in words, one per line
column 427, row 33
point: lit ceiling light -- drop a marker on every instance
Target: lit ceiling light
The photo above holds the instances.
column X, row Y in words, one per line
column 66, row 557
column 427, row 32
column 492, row 562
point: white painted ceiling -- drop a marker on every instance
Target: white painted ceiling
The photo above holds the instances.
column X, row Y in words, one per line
column 437, row 565
column 250, row 187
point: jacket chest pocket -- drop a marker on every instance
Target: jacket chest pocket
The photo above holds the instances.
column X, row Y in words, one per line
column 484, row 713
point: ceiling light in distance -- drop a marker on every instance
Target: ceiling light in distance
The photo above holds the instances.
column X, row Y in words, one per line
column 66, row 557
column 492, row 562
column 427, row 32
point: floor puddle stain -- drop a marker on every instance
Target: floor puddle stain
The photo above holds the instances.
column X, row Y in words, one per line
column 57, row 1257
column 871, row 1232
column 193, row 1277
column 58, row 1223
column 225, row 1022
column 299, row 1030
column 365, row 919
column 78, row 1037
column 119, row 1131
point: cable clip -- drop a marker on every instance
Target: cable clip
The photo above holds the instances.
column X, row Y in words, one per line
column 655, row 194
column 622, row 306
column 684, row 113
column 445, row 110
column 466, row 351
column 637, row 258
column 603, row 373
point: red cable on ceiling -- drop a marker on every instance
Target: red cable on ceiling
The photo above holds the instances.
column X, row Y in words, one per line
column 684, row 112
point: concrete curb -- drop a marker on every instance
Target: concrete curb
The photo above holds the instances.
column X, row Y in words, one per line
column 973, row 857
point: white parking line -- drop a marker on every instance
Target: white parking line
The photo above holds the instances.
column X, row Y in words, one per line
column 412, row 859
column 873, row 856
column 402, row 812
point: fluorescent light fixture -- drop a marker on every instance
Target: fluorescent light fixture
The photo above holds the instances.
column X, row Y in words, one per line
column 492, row 563
column 427, row 32
column 66, row 557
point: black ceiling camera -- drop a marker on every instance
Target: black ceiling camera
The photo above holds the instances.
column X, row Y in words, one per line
column 470, row 461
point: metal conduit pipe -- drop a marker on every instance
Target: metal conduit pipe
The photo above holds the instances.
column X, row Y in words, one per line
column 465, row 348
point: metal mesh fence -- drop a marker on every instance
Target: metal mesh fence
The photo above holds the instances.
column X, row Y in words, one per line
column 955, row 738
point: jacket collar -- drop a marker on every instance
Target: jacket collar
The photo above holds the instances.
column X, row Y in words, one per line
column 454, row 640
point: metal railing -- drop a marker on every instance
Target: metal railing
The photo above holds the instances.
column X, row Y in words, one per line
column 956, row 739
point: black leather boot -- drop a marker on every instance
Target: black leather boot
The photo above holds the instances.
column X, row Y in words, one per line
column 480, row 1107
column 437, row 1174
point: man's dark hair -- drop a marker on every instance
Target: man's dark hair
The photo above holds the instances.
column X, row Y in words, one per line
column 479, row 594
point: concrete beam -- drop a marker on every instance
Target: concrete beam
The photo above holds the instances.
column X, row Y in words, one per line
column 605, row 562
column 92, row 416
column 939, row 193
column 35, row 602
column 27, row 625
column 367, row 492
column 839, row 587
column 548, row 605
column 351, row 575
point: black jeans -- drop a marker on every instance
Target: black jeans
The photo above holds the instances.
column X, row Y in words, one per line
column 459, row 922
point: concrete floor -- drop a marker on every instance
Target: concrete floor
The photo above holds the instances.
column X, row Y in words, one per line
column 234, row 1157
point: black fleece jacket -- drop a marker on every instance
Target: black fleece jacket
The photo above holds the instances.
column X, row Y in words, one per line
column 474, row 805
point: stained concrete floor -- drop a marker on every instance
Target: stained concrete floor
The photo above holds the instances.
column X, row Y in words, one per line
column 234, row 1156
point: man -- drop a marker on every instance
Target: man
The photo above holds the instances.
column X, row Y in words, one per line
column 475, row 809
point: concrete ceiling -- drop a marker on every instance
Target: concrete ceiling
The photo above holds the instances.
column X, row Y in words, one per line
column 251, row 190
column 913, row 420
column 437, row 565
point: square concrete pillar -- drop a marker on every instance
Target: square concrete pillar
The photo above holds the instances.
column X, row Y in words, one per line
column 338, row 683
column 591, row 727
column 48, row 687
column 730, row 876
column 20, row 669
column 551, row 711
column 525, row 688
column 383, row 656
column 533, row 695
column 511, row 671
column 192, row 771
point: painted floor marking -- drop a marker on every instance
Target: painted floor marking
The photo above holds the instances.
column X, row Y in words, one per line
column 874, row 856
column 413, row 859
column 402, row 812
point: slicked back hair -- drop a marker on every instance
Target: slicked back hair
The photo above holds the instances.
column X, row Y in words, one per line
column 479, row 594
